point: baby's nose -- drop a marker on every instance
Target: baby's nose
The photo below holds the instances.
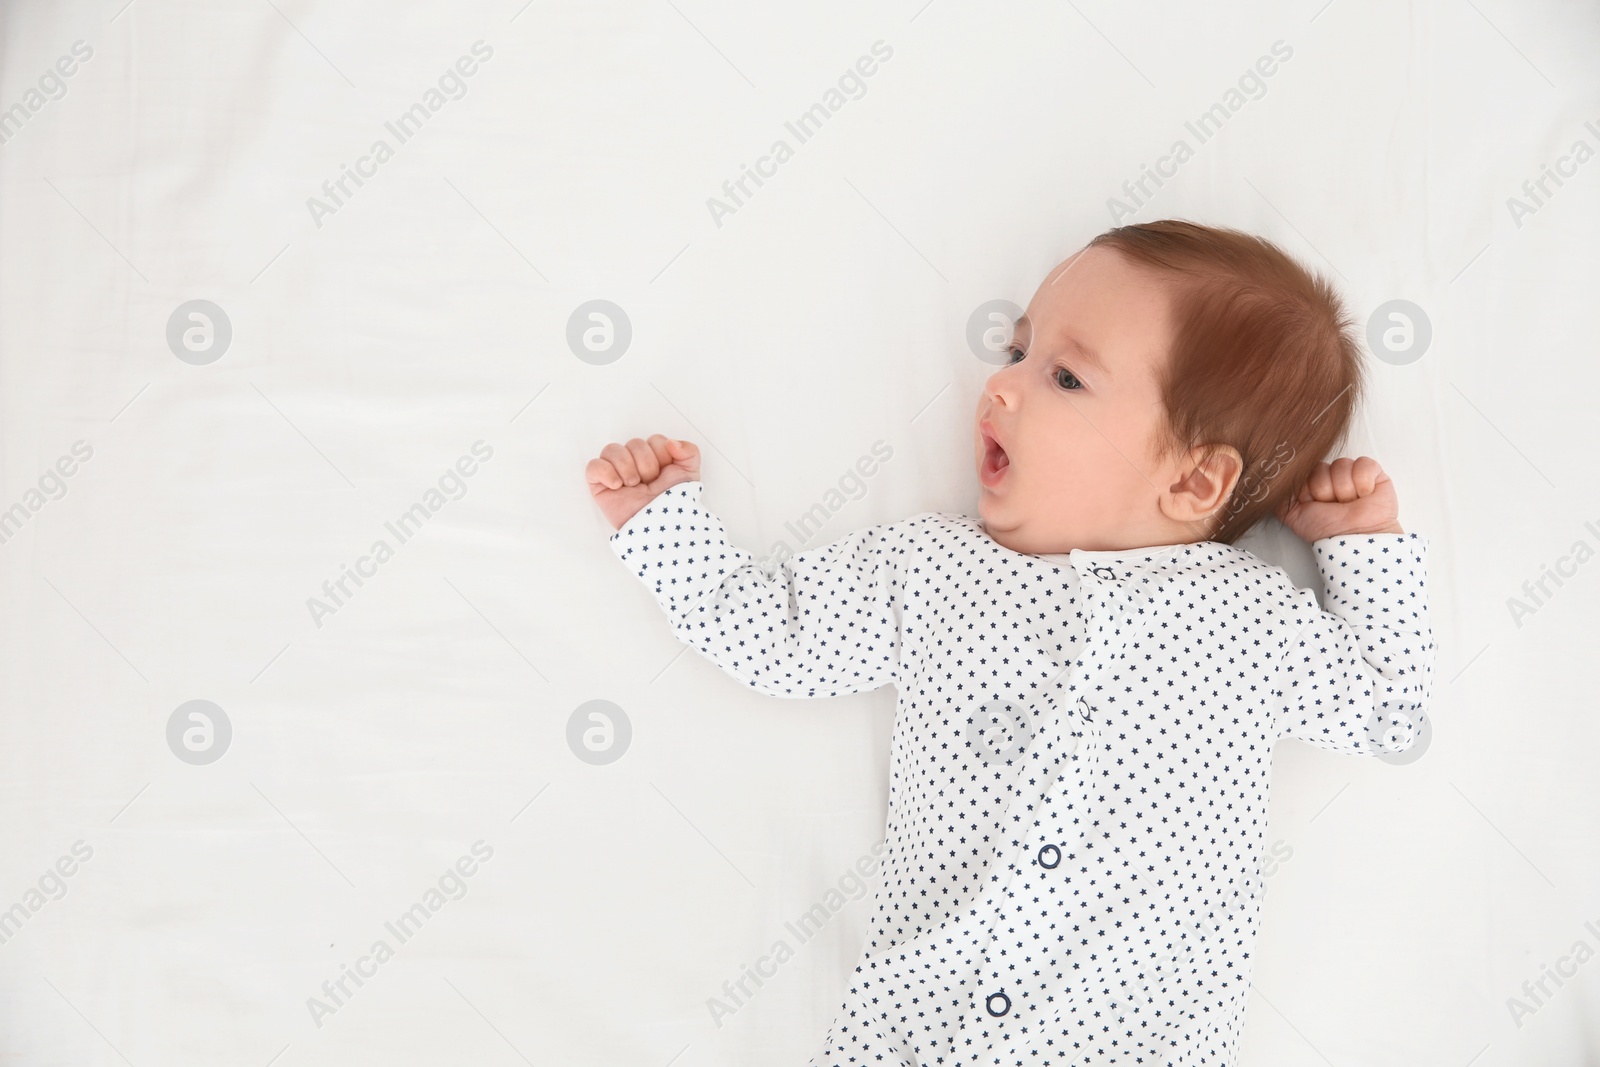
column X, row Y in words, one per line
column 997, row 384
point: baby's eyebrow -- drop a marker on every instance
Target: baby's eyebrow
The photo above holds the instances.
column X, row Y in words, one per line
column 1090, row 356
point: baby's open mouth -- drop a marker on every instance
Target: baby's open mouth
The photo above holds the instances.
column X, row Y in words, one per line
column 995, row 461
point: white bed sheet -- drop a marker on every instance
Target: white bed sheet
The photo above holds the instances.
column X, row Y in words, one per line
column 377, row 338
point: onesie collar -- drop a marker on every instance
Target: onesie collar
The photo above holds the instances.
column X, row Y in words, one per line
column 1120, row 562
column 1125, row 562
column 1114, row 564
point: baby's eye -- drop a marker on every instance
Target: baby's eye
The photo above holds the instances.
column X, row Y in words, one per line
column 1072, row 377
column 1013, row 354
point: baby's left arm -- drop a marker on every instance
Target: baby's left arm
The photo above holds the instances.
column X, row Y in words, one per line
column 1350, row 677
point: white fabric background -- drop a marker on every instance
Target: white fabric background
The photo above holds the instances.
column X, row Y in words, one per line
column 828, row 313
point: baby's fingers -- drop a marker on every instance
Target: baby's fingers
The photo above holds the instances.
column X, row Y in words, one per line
column 600, row 472
column 1340, row 473
column 656, row 443
column 1319, row 485
column 1368, row 473
column 644, row 459
column 619, row 458
column 1343, row 480
column 685, row 452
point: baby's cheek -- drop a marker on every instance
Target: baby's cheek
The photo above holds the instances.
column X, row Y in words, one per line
column 1102, row 480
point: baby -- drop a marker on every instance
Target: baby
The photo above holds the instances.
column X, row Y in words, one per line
column 1091, row 676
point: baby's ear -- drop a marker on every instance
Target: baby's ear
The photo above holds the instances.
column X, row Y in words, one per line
column 1213, row 471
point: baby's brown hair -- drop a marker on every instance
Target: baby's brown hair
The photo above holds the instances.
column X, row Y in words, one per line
column 1263, row 358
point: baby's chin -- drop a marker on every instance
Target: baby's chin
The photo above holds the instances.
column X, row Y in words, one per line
column 1024, row 530
column 998, row 522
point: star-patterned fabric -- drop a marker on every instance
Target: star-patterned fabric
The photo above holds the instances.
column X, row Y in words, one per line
column 1079, row 766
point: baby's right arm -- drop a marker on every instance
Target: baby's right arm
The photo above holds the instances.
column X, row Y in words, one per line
column 624, row 478
column 827, row 622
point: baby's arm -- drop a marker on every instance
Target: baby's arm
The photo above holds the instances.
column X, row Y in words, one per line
column 1357, row 677
column 827, row 622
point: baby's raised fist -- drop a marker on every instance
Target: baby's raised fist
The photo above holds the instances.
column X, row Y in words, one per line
column 1347, row 496
column 624, row 478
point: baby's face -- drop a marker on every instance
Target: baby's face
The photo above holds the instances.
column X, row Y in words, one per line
column 1075, row 466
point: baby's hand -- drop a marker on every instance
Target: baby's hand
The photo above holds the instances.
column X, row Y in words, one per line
column 1348, row 496
column 627, row 477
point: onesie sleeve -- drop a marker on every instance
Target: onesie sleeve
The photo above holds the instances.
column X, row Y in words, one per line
column 824, row 623
column 1356, row 678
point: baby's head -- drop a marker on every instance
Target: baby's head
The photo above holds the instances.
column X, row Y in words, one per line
column 1169, row 383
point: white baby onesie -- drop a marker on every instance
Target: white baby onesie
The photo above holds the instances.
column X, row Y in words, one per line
column 1079, row 766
